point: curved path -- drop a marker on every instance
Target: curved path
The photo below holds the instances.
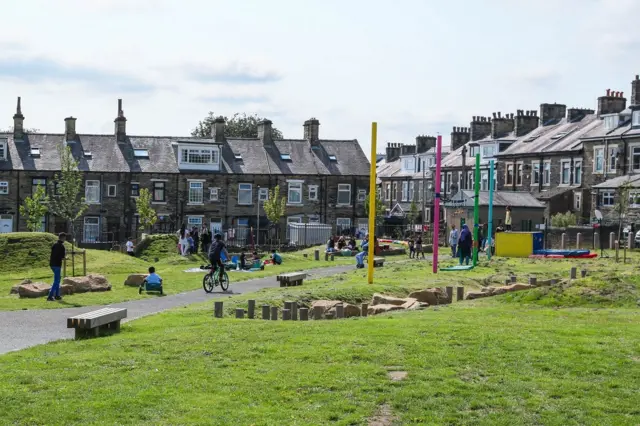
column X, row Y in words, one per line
column 22, row 329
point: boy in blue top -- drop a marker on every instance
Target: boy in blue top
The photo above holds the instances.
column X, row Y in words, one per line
column 153, row 278
column 277, row 259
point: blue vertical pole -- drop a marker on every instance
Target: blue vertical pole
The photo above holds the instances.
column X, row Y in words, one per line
column 490, row 229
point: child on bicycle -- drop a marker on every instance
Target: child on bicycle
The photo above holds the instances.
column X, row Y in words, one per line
column 217, row 247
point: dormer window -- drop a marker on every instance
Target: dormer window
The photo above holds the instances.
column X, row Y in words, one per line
column 35, row 152
column 488, row 151
column 611, row 122
column 141, row 153
column 408, row 164
column 3, row 149
column 635, row 118
column 199, row 157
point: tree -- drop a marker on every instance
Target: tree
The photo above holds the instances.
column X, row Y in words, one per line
column 563, row 220
column 413, row 213
column 34, row 208
column 240, row 125
column 146, row 214
column 10, row 130
column 67, row 201
column 380, row 211
column 622, row 206
column 275, row 205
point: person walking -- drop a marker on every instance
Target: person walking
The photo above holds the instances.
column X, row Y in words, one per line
column 58, row 253
column 130, row 247
column 453, row 240
column 196, row 239
column 184, row 242
column 507, row 219
column 464, row 244
column 205, row 238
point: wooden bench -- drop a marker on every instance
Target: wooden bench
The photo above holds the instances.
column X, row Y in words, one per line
column 378, row 261
column 291, row 279
column 92, row 323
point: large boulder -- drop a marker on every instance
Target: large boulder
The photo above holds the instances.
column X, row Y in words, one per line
column 380, row 309
column 329, row 307
column 135, row 280
column 432, row 296
column 33, row 290
column 382, row 299
column 86, row 284
column 477, row 295
column 14, row 289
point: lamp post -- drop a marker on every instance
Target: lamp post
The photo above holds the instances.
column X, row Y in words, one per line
column 258, row 220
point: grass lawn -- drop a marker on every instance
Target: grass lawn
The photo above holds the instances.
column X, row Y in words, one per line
column 515, row 359
column 116, row 267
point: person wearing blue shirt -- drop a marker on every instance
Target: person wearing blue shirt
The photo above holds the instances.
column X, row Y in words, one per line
column 153, row 278
column 277, row 259
column 360, row 256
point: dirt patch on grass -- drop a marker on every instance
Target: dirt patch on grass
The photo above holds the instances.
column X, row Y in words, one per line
column 383, row 417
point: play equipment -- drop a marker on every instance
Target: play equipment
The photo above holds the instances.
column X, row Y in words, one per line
column 490, row 228
column 372, row 199
column 145, row 286
column 476, row 212
column 436, row 212
column 457, row 268
column 563, row 256
column 518, row 244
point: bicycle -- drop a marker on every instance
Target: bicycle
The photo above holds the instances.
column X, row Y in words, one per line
column 213, row 279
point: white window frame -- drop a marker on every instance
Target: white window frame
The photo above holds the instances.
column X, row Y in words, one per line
column 95, row 184
column 312, row 192
column 577, row 201
column 634, row 195
column 610, row 195
column 596, row 149
column 195, row 193
column 535, row 168
column 294, row 187
column 546, row 173
column 632, row 148
column 195, row 221
column 577, row 177
column 245, row 188
column 470, row 179
column 131, row 189
column 342, row 188
column 511, row 167
column 412, row 190
column 263, row 194
column 519, row 173
column 387, row 191
column 4, row 187
column 214, row 194
column 394, row 191
column 564, row 162
column 362, row 195
column 611, row 122
column 294, row 219
column 612, row 149
column 186, row 152
column 3, row 150
column 345, row 220
column 448, row 176
column 405, row 191
column 484, row 180
column 115, row 190
column 153, row 192
column 84, row 228
column 635, row 118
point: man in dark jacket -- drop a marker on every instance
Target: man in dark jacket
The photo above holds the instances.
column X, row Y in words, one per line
column 58, row 254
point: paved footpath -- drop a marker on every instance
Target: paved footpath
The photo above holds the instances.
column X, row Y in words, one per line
column 22, row 329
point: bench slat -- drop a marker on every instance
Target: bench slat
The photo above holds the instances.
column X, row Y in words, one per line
column 97, row 318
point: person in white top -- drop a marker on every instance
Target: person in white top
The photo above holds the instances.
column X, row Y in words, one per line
column 130, row 247
column 184, row 242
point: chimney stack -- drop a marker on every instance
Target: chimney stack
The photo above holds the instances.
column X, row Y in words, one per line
column 425, row 143
column 312, row 130
column 611, row 103
column 393, row 152
column 18, row 123
column 120, row 124
column 635, row 91
column 459, row 137
column 576, row 114
column 552, row 113
column 70, row 129
column 525, row 122
column 218, row 129
column 480, row 128
column 501, row 126
column 407, row 149
column 264, row 132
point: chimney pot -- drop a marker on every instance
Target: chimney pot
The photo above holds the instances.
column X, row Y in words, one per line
column 622, row 94
column 608, row 92
column 637, row 77
column 120, row 124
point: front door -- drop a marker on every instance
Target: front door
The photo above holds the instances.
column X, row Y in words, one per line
column 6, row 223
column 216, row 226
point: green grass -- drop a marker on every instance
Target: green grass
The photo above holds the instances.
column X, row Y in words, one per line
column 117, row 266
column 25, row 250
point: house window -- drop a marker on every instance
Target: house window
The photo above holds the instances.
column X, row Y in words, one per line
column 449, row 177
column 635, row 118
column 3, row 150
column 488, row 151
column 634, row 199
column 535, row 175
column 333, row 157
column 598, row 160
column 35, row 183
column 135, row 189
column 611, row 122
column 199, row 156
column 194, row 221
column 577, row 172
column 313, row 192
column 91, row 232
column 295, row 193
column 546, row 173
column 412, row 189
column 577, row 201
column 408, row 164
column 35, row 152
column 141, row 153
column 245, row 193
column 362, row 194
column 285, row 157
column 394, row 193
column 519, row 174
column 314, row 219
column 607, row 198
column 343, row 224
column 213, row 194
column 92, row 191
column 112, row 190
column 484, row 182
column 405, row 191
column 159, row 191
column 196, row 193
column 565, row 172
column 387, row 191
column 635, row 157
column 263, row 194
column 344, row 193
column 470, row 182
column 509, row 177
column 4, row 188
column 613, row 159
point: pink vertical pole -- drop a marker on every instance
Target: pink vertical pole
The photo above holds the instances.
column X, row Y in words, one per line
column 436, row 213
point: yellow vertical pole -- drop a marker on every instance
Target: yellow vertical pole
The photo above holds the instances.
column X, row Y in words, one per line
column 372, row 200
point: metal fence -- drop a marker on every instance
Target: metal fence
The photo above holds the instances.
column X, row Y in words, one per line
column 306, row 234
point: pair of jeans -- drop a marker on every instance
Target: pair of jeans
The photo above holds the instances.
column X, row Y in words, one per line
column 360, row 258
column 453, row 250
column 55, row 288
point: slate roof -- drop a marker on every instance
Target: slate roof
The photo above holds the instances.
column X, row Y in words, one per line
column 616, row 182
column 394, row 170
column 544, row 139
column 500, row 199
column 454, row 158
column 548, row 193
column 624, row 128
column 109, row 156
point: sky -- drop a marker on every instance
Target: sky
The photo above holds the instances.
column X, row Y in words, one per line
column 418, row 67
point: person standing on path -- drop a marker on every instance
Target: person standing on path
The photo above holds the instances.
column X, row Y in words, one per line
column 464, row 244
column 58, row 254
column 130, row 247
column 453, row 240
column 507, row 219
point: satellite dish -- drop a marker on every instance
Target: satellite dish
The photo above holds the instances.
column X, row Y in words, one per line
column 598, row 215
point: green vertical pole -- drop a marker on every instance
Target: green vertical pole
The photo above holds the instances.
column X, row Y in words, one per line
column 476, row 211
column 490, row 228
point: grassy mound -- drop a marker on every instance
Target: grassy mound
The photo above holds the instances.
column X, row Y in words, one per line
column 23, row 250
column 157, row 246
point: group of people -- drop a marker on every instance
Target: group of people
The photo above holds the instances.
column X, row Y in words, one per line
column 415, row 247
column 335, row 244
column 192, row 239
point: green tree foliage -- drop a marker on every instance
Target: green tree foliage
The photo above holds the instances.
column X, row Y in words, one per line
column 380, row 210
column 563, row 220
column 622, row 206
column 413, row 213
column 275, row 206
column 67, row 201
column 146, row 214
column 34, row 208
column 240, row 125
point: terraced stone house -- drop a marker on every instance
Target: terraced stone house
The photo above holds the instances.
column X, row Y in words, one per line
column 217, row 182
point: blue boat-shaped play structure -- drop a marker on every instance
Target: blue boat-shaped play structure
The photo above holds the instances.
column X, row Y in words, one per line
column 557, row 252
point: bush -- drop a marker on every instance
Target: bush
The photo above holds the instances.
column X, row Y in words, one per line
column 564, row 220
column 24, row 250
column 157, row 245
